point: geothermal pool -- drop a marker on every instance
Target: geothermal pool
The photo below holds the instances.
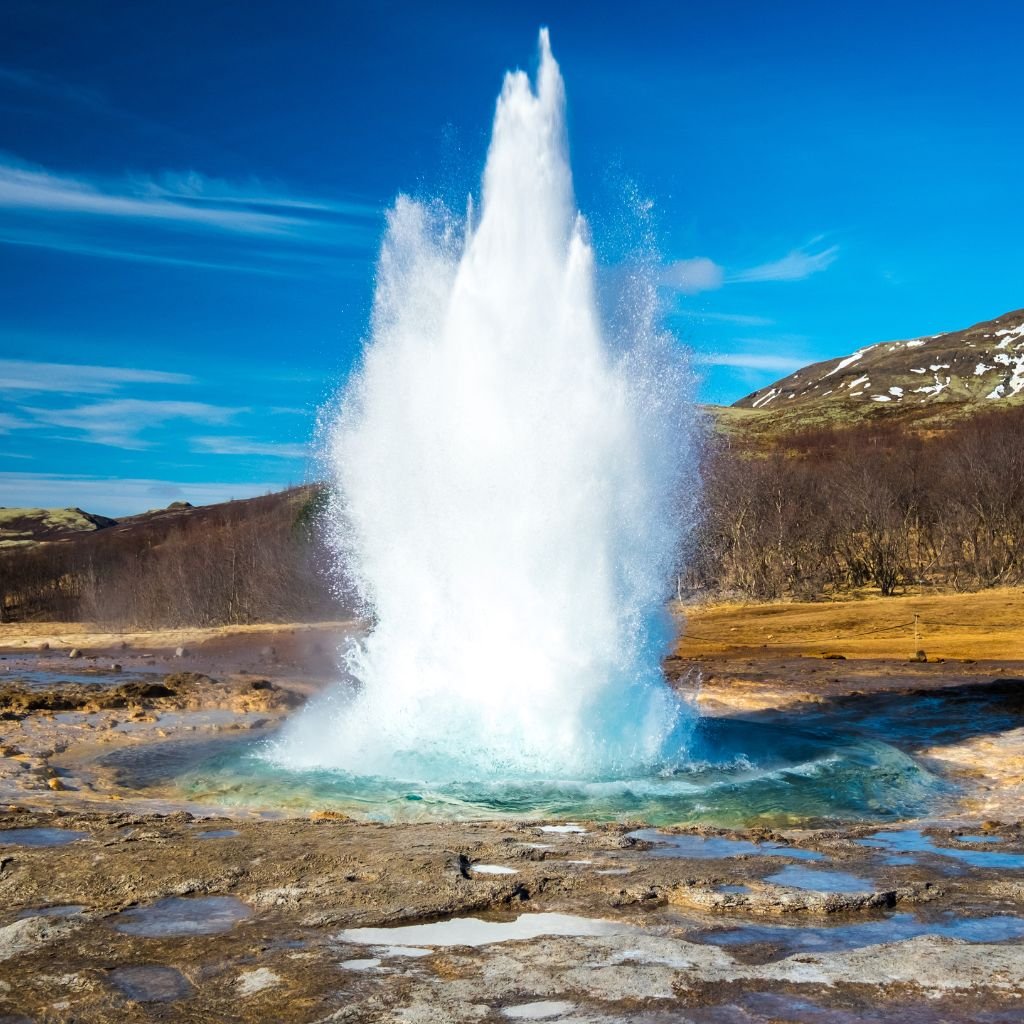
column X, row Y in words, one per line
column 739, row 774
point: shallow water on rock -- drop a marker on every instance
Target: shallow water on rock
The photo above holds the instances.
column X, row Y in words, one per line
column 545, row 1009
column 716, row 847
column 796, row 876
column 48, row 679
column 39, row 836
column 789, row 939
column 475, row 931
column 151, row 984
column 67, row 910
column 175, row 916
column 218, row 833
column 905, row 842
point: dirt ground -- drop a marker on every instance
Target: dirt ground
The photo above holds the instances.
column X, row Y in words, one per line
column 159, row 909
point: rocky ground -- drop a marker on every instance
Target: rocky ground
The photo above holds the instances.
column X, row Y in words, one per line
column 159, row 909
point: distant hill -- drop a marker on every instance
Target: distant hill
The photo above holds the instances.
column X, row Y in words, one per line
column 252, row 560
column 924, row 382
column 23, row 527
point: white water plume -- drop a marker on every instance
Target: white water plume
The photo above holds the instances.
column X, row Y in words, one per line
column 509, row 484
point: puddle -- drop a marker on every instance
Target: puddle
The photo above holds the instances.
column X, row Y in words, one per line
column 38, row 679
column 360, row 965
column 39, row 836
column 978, row 839
column 492, row 869
column 798, row 877
column 413, row 951
column 175, row 915
column 733, row 889
column 910, row 841
column 218, row 833
column 790, row 939
column 543, row 1010
column 67, row 910
column 151, row 984
column 475, row 931
column 716, row 847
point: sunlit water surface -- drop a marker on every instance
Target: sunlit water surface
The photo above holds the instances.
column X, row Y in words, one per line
column 740, row 773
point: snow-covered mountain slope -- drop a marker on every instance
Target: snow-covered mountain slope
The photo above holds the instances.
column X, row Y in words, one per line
column 982, row 365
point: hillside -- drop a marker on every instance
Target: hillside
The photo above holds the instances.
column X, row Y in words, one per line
column 23, row 527
column 924, row 382
column 234, row 562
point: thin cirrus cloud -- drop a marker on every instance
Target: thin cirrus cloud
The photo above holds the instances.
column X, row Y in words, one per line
column 120, row 422
column 794, row 266
column 247, row 446
column 119, row 497
column 700, row 274
column 9, row 423
column 211, row 223
column 750, row 361
column 744, row 319
column 27, row 376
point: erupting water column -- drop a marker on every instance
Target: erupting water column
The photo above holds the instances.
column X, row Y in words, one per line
column 508, row 494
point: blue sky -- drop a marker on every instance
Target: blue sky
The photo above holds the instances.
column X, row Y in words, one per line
column 192, row 195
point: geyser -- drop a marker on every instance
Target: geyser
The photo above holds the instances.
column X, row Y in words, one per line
column 509, row 485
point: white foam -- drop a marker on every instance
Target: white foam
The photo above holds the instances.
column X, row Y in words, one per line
column 493, row 869
column 563, row 829
column 510, row 478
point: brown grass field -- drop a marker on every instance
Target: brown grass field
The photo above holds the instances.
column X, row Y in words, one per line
column 981, row 626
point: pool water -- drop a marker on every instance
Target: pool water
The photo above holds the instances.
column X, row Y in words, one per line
column 740, row 773
column 177, row 916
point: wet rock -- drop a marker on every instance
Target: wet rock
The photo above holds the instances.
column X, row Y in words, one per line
column 146, row 984
column 251, row 982
column 30, row 933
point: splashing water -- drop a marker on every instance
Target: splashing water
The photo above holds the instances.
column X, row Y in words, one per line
column 508, row 483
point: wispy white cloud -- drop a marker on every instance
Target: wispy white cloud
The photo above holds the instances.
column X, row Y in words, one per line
column 9, row 422
column 50, row 87
column 692, row 276
column 743, row 319
column 24, row 188
column 115, row 497
column 247, row 446
column 701, row 274
column 118, row 423
column 79, row 213
column 56, row 241
column 23, row 375
column 796, row 265
column 751, row 361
